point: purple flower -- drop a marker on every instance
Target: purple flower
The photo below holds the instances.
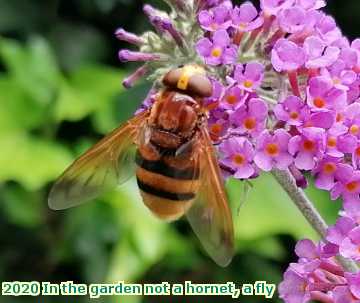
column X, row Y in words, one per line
column 337, row 233
column 215, row 19
column 272, row 150
column 250, row 78
column 308, row 147
column 292, row 110
column 212, row 102
column 127, row 55
column 320, row 119
column 218, row 124
column 354, row 284
column 238, row 154
column 287, row 56
column 325, row 172
column 123, row 35
column 138, row 74
column 311, row 4
column 347, row 185
column 352, row 119
column 272, row 7
column 295, row 287
column 350, row 246
column 233, row 98
column 245, row 18
column 327, row 29
column 339, row 142
column 342, row 78
column 322, row 95
column 218, row 51
column 250, row 118
column 293, row 20
column 342, row 294
column 356, row 156
column 318, row 53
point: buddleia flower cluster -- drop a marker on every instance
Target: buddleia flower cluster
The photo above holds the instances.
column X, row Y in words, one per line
column 285, row 96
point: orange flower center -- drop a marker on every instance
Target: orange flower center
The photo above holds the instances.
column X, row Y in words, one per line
column 216, row 128
column 211, row 106
column 309, row 145
column 336, row 81
column 352, row 186
column 214, row 26
column 331, row 142
column 248, row 83
column 329, row 168
column 357, row 151
column 238, row 159
column 231, row 99
column 354, row 129
column 250, row 123
column 339, row 117
column 216, row 52
column 242, row 25
column 319, row 102
column 294, row 115
column 272, row 149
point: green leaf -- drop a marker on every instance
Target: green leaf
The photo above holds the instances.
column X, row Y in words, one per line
column 121, row 108
column 31, row 161
column 89, row 89
column 22, row 207
column 17, row 111
column 269, row 211
column 33, row 67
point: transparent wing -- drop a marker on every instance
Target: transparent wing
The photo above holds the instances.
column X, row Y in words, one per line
column 210, row 216
column 105, row 165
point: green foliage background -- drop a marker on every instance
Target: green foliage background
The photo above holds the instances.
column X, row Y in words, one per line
column 59, row 93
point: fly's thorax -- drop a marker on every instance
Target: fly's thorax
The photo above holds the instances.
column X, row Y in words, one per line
column 174, row 114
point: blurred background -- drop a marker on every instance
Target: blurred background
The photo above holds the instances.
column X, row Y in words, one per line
column 60, row 91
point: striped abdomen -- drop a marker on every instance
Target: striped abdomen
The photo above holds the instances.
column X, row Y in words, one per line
column 167, row 183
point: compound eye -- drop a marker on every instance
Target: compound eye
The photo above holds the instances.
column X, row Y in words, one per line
column 172, row 77
column 200, row 85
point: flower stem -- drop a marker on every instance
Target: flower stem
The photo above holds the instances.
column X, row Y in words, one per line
column 307, row 208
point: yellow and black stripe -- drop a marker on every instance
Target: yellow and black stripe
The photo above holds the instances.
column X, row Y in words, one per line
column 167, row 190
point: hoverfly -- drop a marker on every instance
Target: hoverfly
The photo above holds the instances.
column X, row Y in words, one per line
column 176, row 165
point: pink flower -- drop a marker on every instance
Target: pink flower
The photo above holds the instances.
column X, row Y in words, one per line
column 233, row 98
column 349, row 247
column 318, row 53
column 295, row 287
column 272, row 150
column 338, row 142
column 292, row 110
column 219, row 50
column 250, row 118
column 272, row 7
column 325, row 172
column 293, row 19
column 322, row 95
column 347, row 185
column 311, row 4
column 245, row 17
column 238, row 154
column 287, row 56
column 308, row 147
column 337, row 233
column 215, row 19
column 250, row 78
column 327, row 29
